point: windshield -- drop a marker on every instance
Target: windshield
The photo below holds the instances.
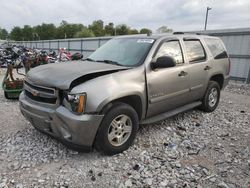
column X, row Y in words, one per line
column 123, row 51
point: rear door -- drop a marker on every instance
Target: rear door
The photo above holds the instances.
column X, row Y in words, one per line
column 168, row 88
column 199, row 67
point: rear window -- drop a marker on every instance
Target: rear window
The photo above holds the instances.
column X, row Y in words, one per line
column 216, row 48
column 195, row 51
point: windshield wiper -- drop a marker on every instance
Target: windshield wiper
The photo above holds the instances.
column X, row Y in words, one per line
column 88, row 59
column 109, row 62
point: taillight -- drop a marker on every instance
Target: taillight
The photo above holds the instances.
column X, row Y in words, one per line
column 229, row 66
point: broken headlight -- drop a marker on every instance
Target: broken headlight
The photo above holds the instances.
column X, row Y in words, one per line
column 76, row 102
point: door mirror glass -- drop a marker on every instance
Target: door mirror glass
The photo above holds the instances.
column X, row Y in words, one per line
column 164, row 62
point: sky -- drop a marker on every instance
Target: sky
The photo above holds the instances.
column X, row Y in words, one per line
column 180, row 15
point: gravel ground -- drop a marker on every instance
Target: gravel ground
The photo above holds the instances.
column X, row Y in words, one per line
column 238, row 87
column 192, row 149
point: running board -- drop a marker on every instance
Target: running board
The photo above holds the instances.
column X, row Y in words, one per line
column 168, row 114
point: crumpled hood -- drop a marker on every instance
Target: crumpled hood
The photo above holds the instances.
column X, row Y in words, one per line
column 61, row 75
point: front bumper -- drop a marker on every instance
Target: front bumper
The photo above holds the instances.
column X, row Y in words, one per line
column 79, row 131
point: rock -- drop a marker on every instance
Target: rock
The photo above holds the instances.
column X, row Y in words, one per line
column 224, row 134
column 205, row 171
column 41, row 181
column 181, row 127
column 164, row 183
column 136, row 167
column 222, row 185
column 121, row 185
column 149, row 181
column 3, row 185
column 128, row 183
column 93, row 178
column 172, row 146
column 19, row 185
column 12, row 181
column 197, row 124
column 165, row 144
column 38, row 175
column 137, row 176
column 213, row 179
column 178, row 165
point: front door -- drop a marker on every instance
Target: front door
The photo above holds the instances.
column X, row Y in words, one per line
column 168, row 88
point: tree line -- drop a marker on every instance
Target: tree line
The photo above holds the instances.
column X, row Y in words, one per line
column 49, row 31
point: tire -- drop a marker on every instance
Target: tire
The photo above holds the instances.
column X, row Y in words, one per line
column 212, row 96
column 117, row 130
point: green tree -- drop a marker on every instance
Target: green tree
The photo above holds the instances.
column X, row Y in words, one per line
column 164, row 29
column 133, row 32
column 16, row 34
column 44, row 32
column 37, row 32
column 145, row 31
column 3, row 34
column 122, row 29
column 85, row 32
column 97, row 28
column 27, row 32
column 109, row 29
column 67, row 30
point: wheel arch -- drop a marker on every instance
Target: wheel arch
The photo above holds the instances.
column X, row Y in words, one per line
column 219, row 78
column 134, row 100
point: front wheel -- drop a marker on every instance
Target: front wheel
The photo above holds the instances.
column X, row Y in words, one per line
column 117, row 130
column 212, row 96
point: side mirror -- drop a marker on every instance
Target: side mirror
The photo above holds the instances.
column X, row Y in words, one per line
column 164, row 62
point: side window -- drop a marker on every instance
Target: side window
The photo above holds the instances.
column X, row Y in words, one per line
column 173, row 49
column 195, row 51
column 216, row 48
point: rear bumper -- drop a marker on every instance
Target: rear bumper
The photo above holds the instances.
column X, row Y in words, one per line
column 78, row 131
column 226, row 80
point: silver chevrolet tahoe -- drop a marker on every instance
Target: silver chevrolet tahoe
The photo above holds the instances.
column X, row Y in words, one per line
column 99, row 102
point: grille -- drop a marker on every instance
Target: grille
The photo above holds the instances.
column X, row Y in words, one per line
column 40, row 93
column 40, row 99
column 39, row 88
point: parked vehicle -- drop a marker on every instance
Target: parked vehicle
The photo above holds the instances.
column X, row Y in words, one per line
column 14, row 57
column 76, row 56
column 52, row 57
column 42, row 57
column 128, row 81
column 64, row 55
column 10, row 54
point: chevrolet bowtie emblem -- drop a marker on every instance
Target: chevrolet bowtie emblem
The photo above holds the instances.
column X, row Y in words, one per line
column 34, row 93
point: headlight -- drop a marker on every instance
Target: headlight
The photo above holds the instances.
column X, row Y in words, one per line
column 76, row 102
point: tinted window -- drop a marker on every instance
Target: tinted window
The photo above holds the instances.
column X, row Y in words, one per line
column 195, row 51
column 216, row 47
column 171, row 48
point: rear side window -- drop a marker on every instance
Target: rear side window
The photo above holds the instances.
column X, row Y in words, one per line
column 216, row 48
column 195, row 51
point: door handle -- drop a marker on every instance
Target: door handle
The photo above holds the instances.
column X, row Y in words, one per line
column 207, row 68
column 182, row 73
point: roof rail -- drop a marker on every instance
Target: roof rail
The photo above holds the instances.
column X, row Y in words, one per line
column 178, row 33
column 182, row 33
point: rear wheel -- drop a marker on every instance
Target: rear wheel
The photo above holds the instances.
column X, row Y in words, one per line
column 117, row 130
column 212, row 96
